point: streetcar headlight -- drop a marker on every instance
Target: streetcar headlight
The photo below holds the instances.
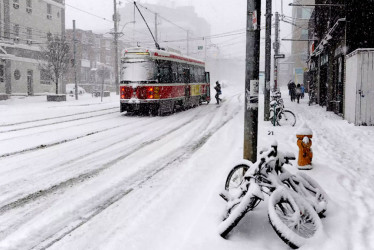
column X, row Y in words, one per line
column 122, row 90
column 150, row 93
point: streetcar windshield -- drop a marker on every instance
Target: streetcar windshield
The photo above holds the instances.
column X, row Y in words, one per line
column 138, row 70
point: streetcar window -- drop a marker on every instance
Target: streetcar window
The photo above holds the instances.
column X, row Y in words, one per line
column 138, row 70
column 193, row 74
column 174, row 68
column 180, row 73
column 164, row 74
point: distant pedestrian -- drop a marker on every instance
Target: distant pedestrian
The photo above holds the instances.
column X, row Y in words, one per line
column 218, row 92
column 302, row 91
column 293, row 91
column 298, row 92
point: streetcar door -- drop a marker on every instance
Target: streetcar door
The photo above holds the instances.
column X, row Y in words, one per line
column 207, row 80
column 207, row 77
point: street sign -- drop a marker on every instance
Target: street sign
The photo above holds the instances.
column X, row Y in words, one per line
column 279, row 56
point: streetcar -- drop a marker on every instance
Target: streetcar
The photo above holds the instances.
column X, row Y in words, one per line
column 155, row 81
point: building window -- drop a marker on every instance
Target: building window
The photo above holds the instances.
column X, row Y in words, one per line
column 2, row 73
column 16, row 4
column 16, row 31
column 108, row 59
column 49, row 11
column 17, row 74
column 29, row 34
column 97, row 42
column 44, row 77
column 85, row 54
column 49, row 8
column 304, row 34
column 28, row 6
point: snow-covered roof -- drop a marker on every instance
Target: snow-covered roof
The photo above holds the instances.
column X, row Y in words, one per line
column 162, row 55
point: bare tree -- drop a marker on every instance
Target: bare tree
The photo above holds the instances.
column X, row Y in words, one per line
column 55, row 58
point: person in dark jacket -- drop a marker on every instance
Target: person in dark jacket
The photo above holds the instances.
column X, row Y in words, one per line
column 298, row 92
column 292, row 89
column 218, row 92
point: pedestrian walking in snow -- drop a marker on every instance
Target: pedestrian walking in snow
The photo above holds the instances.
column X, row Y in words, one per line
column 218, row 92
column 302, row 91
column 298, row 92
column 293, row 91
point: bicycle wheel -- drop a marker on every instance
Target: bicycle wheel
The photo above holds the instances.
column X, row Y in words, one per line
column 286, row 117
column 312, row 192
column 235, row 177
column 293, row 218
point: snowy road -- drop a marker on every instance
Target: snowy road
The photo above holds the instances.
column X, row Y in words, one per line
column 60, row 173
column 80, row 175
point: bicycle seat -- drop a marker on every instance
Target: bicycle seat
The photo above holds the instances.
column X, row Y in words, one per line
column 287, row 156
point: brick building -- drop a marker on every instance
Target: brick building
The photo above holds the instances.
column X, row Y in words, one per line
column 24, row 25
column 94, row 53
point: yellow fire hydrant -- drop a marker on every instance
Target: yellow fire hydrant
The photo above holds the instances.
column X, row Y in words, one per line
column 304, row 136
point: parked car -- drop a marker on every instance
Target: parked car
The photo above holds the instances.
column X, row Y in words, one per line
column 70, row 89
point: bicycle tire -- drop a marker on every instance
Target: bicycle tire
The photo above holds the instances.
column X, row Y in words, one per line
column 235, row 177
column 286, row 117
column 319, row 198
column 293, row 219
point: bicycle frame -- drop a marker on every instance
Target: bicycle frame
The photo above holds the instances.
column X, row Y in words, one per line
column 275, row 108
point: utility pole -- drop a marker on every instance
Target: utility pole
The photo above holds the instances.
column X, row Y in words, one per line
column 276, row 50
column 251, row 79
column 115, row 19
column 267, row 60
column 75, row 64
column 205, row 43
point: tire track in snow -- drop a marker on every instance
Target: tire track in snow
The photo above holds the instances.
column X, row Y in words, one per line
column 52, row 118
column 83, row 177
column 31, row 197
column 179, row 156
column 53, row 129
column 47, row 145
column 54, row 123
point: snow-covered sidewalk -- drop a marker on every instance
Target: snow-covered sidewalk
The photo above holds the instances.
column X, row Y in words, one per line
column 343, row 163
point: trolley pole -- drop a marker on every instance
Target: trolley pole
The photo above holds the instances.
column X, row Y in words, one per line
column 156, row 37
column 205, row 43
column 75, row 64
column 115, row 19
column 188, row 42
column 276, row 50
column 251, row 79
column 267, row 60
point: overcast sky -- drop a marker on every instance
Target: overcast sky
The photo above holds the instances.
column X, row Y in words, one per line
column 223, row 15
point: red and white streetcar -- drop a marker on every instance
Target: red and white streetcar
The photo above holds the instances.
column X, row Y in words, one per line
column 156, row 81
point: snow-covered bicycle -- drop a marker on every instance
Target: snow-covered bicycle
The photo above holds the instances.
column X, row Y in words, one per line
column 279, row 115
column 296, row 202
